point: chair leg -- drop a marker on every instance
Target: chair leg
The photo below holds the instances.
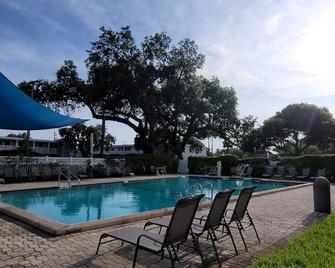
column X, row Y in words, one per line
column 97, row 251
column 198, row 249
column 231, row 237
column 253, row 225
column 135, row 257
column 213, row 243
column 171, row 257
column 239, row 227
column 175, row 254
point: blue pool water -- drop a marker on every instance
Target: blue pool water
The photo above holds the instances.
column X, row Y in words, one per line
column 95, row 202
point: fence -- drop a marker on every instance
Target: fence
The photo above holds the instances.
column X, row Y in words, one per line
column 71, row 161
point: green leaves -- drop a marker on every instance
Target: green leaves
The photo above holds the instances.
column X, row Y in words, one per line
column 299, row 125
column 79, row 136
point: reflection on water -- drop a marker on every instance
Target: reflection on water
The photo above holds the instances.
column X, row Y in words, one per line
column 95, row 202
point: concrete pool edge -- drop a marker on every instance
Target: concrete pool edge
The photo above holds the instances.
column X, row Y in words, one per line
column 58, row 229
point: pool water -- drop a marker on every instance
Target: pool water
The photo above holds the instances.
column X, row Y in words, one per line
column 100, row 201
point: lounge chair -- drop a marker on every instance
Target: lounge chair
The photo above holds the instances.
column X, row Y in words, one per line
column 208, row 223
column 280, row 172
column 320, row 173
column 240, row 214
column 268, row 172
column 176, row 233
column 213, row 171
column 292, row 172
column 305, row 174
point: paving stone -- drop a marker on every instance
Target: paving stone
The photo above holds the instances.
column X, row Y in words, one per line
column 278, row 217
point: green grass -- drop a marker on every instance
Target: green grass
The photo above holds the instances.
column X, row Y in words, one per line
column 314, row 248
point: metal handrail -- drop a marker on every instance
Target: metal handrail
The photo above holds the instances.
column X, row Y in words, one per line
column 211, row 187
column 74, row 176
column 68, row 177
column 60, row 174
column 244, row 168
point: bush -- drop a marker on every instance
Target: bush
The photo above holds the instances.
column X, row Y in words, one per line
column 99, row 171
column 314, row 162
column 202, row 165
column 137, row 162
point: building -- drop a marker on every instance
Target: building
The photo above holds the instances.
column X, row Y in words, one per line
column 120, row 150
column 38, row 146
column 58, row 147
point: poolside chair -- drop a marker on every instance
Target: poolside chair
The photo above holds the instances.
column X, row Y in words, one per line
column 320, row 173
column 304, row 175
column 268, row 172
column 177, row 232
column 213, row 171
column 280, row 172
column 208, row 222
column 292, row 172
column 240, row 214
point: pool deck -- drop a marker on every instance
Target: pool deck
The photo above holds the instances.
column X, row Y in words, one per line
column 278, row 216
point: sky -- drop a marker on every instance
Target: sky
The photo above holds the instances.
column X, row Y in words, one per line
column 273, row 53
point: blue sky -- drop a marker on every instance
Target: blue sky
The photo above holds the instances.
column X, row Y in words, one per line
column 272, row 52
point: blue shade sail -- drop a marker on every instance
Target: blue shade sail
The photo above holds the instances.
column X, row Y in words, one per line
column 20, row 112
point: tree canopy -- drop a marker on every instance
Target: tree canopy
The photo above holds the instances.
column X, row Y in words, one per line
column 152, row 87
column 298, row 126
column 79, row 136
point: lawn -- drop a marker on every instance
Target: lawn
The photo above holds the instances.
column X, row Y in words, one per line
column 314, row 248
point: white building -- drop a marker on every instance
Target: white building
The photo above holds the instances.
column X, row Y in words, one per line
column 119, row 150
column 39, row 146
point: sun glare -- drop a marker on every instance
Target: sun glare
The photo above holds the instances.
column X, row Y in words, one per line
column 315, row 53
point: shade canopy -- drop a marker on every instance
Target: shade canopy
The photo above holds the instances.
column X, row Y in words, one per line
column 20, row 112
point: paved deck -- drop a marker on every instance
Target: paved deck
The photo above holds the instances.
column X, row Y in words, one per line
column 278, row 217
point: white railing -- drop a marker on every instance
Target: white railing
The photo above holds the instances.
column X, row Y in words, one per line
column 71, row 161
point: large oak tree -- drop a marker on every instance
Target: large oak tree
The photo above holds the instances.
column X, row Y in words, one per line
column 299, row 126
column 152, row 87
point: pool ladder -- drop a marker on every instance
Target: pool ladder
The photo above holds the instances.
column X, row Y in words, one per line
column 200, row 187
column 68, row 178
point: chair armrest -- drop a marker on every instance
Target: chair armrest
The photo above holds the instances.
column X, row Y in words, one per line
column 227, row 210
column 148, row 237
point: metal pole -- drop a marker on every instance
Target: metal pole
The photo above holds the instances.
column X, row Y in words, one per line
column 91, row 147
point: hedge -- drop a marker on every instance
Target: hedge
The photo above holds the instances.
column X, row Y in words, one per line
column 202, row 165
column 136, row 163
column 314, row 162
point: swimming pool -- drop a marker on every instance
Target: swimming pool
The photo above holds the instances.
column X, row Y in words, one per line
column 100, row 201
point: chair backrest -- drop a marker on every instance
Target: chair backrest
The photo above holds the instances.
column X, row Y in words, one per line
column 218, row 209
column 280, row 171
column 269, row 170
column 292, row 171
column 321, row 172
column 181, row 220
column 242, row 203
column 305, row 172
column 249, row 171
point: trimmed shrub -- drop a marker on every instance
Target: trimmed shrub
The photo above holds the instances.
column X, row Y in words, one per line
column 140, row 164
column 202, row 165
column 314, row 162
